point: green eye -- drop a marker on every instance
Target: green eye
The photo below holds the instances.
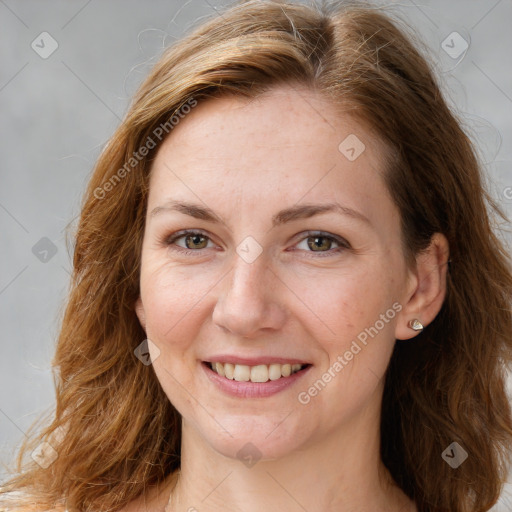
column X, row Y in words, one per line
column 319, row 243
column 315, row 242
column 195, row 241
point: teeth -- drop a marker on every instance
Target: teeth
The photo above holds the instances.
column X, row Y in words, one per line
column 229, row 370
column 242, row 373
column 259, row 373
column 220, row 369
column 274, row 371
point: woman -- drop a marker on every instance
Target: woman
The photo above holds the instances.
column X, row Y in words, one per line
column 287, row 294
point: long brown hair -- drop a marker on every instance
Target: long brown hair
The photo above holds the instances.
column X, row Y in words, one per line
column 115, row 431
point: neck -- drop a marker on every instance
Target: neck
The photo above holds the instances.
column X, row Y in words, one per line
column 341, row 472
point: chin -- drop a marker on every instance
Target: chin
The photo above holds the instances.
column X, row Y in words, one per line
column 253, row 439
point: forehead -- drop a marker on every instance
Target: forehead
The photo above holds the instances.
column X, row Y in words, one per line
column 288, row 144
column 286, row 116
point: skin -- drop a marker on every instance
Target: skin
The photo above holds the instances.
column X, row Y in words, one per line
column 246, row 161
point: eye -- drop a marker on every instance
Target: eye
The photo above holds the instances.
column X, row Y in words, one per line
column 192, row 241
column 321, row 242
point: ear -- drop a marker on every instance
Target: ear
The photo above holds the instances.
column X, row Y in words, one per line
column 141, row 314
column 426, row 288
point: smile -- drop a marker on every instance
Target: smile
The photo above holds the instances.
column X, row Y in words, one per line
column 256, row 380
column 259, row 373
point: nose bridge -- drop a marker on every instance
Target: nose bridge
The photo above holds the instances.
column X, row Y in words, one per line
column 250, row 278
column 247, row 299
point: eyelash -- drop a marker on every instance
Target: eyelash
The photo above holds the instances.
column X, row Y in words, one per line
column 343, row 244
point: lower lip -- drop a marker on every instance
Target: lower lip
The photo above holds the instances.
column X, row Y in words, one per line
column 253, row 389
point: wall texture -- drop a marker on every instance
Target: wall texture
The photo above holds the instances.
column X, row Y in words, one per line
column 68, row 69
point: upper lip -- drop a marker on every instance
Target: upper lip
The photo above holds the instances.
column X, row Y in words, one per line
column 253, row 361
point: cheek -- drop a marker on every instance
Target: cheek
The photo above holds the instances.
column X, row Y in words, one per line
column 346, row 303
column 172, row 303
column 358, row 310
column 360, row 313
column 172, row 300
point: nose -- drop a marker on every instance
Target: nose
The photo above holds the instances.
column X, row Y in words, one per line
column 248, row 303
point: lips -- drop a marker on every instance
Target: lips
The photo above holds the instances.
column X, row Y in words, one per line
column 255, row 373
column 254, row 378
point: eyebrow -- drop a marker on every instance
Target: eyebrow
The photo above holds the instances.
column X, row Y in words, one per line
column 295, row 212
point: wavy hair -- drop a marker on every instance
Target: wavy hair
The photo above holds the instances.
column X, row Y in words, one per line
column 113, row 428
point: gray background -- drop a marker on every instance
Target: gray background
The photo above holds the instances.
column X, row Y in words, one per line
column 57, row 112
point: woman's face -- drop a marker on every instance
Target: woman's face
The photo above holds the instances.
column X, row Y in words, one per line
column 294, row 259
